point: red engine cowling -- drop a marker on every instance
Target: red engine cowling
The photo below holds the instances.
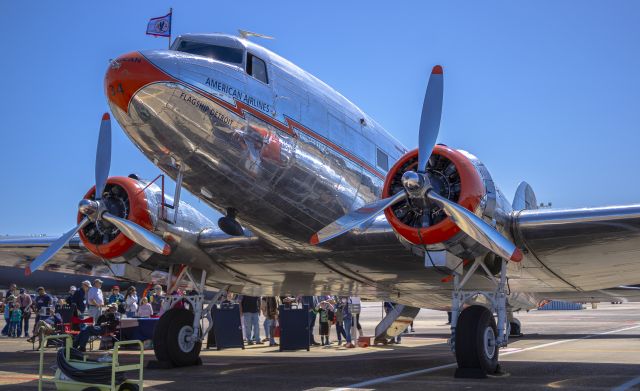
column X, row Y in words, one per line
column 125, row 197
column 452, row 175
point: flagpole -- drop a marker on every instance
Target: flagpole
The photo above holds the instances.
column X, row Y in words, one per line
column 170, row 24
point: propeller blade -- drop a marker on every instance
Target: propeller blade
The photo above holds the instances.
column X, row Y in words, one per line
column 103, row 155
column 355, row 218
column 430, row 119
column 475, row 227
column 53, row 248
column 138, row 234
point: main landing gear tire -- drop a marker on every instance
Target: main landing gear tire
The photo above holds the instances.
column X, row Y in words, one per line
column 170, row 338
column 476, row 335
column 514, row 328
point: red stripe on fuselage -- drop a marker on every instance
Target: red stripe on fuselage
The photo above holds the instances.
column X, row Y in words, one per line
column 240, row 107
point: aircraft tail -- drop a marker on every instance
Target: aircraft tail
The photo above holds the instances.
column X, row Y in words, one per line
column 524, row 198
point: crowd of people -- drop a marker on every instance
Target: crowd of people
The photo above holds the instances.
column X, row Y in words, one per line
column 99, row 311
column 328, row 311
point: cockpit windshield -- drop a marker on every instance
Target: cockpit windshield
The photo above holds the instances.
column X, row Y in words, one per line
column 220, row 53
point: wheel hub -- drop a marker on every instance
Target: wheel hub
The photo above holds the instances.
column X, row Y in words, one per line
column 489, row 342
column 185, row 340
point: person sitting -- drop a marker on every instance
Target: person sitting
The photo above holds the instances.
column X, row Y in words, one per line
column 145, row 310
column 106, row 323
column 47, row 326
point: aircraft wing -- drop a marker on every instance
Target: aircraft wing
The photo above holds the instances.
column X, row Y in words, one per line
column 589, row 249
column 72, row 258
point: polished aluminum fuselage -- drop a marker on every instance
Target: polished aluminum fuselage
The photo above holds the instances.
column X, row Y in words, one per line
column 291, row 156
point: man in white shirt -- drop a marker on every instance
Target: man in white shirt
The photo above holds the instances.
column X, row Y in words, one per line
column 95, row 300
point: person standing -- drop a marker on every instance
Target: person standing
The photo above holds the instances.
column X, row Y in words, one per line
column 340, row 323
column 95, row 300
column 12, row 291
column 15, row 320
column 270, row 313
column 131, row 302
column 79, row 297
column 72, row 290
column 312, row 302
column 156, row 299
column 250, row 307
column 24, row 299
column 8, row 307
column 325, row 313
column 145, row 310
column 43, row 302
column 116, row 298
column 347, row 318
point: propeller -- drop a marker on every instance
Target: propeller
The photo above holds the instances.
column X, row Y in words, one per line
column 98, row 210
column 417, row 187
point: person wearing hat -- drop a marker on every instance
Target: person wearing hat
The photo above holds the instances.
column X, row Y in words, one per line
column 105, row 323
column 79, row 297
column 43, row 302
column 95, row 300
column 72, row 291
column 24, row 299
column 115, row 296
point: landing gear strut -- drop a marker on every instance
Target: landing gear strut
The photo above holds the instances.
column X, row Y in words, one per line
column 475, row 335
column 177, row 338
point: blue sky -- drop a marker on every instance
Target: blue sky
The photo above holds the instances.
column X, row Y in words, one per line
column 544, row 91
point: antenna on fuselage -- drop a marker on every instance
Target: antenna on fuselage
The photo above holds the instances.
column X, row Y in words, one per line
column 246, row 34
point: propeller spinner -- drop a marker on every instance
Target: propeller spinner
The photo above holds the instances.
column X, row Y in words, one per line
column 418, row 189
column 98, row 210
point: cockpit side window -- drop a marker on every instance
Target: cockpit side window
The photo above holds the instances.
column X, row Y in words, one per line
column 219, row 53
column 257, row 68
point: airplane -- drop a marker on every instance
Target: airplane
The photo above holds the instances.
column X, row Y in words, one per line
column 319, row 199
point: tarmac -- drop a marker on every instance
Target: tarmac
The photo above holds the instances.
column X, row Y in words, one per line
column 586, row 349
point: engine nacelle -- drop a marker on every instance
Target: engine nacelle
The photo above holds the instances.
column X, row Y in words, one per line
column 454, row 174
column 127, row 198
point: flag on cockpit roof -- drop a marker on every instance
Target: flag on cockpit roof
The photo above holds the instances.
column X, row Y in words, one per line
column 160, row 26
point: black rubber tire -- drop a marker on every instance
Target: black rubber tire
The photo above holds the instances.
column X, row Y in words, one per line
column 470, row 352
column 160, row 336
column 179, row 358
column 515, row 329
column 129, row 387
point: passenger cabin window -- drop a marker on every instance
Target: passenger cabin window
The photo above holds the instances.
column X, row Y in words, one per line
column 219, row 53
column 257, row 68
column 382, row 160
